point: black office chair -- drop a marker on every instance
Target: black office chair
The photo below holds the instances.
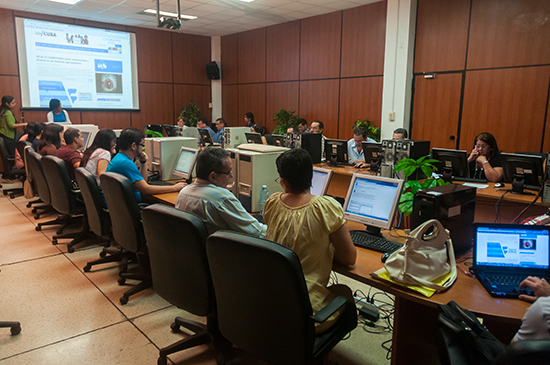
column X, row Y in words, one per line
column 127, row 228
column 532, row 352
column 10, row 172
column 177, row 248
column 21, row 147
column 64, row 201
column 262, row 301
column 15, row 327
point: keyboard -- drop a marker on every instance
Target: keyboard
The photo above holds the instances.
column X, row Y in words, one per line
column 469, row 179
column 374, row 243
column 504, row 279
column 159, row 182
column 531, row 187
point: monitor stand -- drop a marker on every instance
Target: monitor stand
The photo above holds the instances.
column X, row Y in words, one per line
column 373, row 231
column 333, row 161
column 447, row 174
column 517, row 185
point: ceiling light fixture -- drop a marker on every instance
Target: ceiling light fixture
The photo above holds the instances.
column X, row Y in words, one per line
column 69, row 2
column 246, row 1
column 167, row 13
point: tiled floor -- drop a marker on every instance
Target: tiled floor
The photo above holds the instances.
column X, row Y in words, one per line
column 72, row 317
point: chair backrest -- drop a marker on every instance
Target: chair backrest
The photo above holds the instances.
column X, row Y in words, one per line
column 37, row 172
column 6, row 162
column 262, row 299
column 20, row 147
column 62, row 198
column 124, row 211
column 176, row 241
column 98, row 218
column 532, row 352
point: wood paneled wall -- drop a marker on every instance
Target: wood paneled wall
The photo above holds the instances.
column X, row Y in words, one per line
column 491, row 59
column 327, row 67
column 171, row 74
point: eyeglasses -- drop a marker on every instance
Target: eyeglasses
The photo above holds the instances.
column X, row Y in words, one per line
column 481, row 146
column 140, row 144
column 278, row 179
column 225, row 173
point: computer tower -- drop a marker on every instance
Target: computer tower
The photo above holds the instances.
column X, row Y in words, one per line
column 408, row 148
column 256, row 169
column 288, row 141
column 311, row 143
column 233, row 182
column 453, row 205
column 163, row 153
column 232, row 137
column 387, row 156
column 546, row 182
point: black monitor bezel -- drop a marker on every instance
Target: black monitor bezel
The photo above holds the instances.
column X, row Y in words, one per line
column 461, row 154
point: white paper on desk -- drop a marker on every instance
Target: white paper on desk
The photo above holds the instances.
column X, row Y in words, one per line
column 477, row 186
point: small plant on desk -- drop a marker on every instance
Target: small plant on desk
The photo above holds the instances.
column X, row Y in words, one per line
column 409, row 167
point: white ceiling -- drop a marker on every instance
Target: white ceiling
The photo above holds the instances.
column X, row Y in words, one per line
column 215, row 17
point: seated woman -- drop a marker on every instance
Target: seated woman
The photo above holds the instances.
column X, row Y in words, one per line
column 312, row 226
column 97, row 157
column 57, row 114
column 484, row 161
column 266, row 138
column 27, row 136
column 51, row 140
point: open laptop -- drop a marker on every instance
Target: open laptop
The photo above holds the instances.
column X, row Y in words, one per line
column 505, row 254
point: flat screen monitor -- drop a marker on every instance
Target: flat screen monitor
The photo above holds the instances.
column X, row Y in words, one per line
column 253, row 138
column 88, row 131
column 453, row 163
column 85, row 136
column 372, row 200
column 279, row 139
column 320, row 181
column 523, row 171
column 185, row 162
column 205, row 138
column 371, row 150
column 336, row 151
column 171, row 130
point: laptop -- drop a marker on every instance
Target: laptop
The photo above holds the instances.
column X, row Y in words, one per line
column 505, row 254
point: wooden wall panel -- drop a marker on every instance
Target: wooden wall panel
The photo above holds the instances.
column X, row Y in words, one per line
column 320, row 46
column 230, row 106
column 112, row 120
column 280, row 95
column 154, row 55
column 364, row 40
column 437, row 121
column 509, row 33
column 230, row 59
column 10, row 86
column 319, row 100
column 156, row 105
column 251, row 50
column 40, row 116
column 8, row 61
column 200, row 94
column 190, row 54
column 283, row 52
column 441, row 35
column 546, row 138
column 509, row 103
column 252, row 99
column 360, row 98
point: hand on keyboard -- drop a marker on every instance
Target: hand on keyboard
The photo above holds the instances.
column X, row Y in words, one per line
column 540, row 287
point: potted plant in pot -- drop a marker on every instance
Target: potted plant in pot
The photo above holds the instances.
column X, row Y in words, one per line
column 190, row 114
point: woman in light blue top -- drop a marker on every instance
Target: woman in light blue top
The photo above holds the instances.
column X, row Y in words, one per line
column 57, row 114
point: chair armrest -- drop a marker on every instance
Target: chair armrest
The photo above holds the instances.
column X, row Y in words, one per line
column 329, row 309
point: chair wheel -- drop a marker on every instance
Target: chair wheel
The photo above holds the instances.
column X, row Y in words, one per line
column 123, row 300
column 5, row 192
column 175, row 327
column 38, row 228
column 15, row 330
column 59, row 231
column 54, row 241
column 121, row 281
column 87, row 268
column 102, row 254
column 29, row 205
column 36, row 216
column 162, row 360
column 12, row 196
column 70, row 249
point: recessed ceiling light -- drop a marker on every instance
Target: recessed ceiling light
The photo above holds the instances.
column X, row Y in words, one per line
column 166, row 13
column 246, row 1
column 70, row 2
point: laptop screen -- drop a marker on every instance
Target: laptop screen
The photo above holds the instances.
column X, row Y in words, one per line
column 512, row 246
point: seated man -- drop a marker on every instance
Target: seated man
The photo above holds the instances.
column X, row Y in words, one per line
column 220, row 126
column 355, row 145
column 535, row 324
column 69, row 152
column 302, row 126
column 208, row 198
column 400, row 133
column 131, row 143
column 203, row 124
column 317, row 127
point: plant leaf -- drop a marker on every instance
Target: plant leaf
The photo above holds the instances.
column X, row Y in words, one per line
column 427, row 170
column 415, row 185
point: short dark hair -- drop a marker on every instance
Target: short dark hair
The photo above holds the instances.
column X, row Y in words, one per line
column 202, row 119
column 321, row 125
column 302, row 121
column 51, row 136
column 402, row 131
column 259, row 129
column 358, row 131
column 222, row 121
column 490, row 140
column 295, row 166
column 211, row 159
column 70, row 135
column 54, row 104
column 129, row 136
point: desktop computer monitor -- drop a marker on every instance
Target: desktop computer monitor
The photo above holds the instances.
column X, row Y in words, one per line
column 279, row 139
column 320, row 181
column 373, row 201
column 185, row 163
column 336, row 151
column 171, row 130
column 205, row 138
column 523, row 171
column 87, row 131
column 153, row 130
column 254, row 138
column 371, row 150
column 452, row 163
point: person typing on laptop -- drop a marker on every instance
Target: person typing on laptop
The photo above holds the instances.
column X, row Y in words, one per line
column 535, row 324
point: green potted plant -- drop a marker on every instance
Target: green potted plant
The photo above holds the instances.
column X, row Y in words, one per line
column 285, row 120
column 372, row 131
column 409, row 167
column 190, row 114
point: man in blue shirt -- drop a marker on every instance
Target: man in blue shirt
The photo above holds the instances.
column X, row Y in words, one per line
column 131, row 143
column 355, row 146
column 202, row 123
column 220, row 126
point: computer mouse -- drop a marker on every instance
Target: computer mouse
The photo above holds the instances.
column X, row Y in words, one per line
column 499, row 185
column 357, row 166
column 385, row 256
column 526, row 291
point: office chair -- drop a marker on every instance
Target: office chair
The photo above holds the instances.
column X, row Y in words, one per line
column 10, row 172
column 127, row 228
column 262, row 301
column 21, row 147
column 532, row 352
column 15, row 327
column 99, row 220
column 64, row 201
column 177, row 248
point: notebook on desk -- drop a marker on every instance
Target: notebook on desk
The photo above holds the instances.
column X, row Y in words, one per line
column 505, row 254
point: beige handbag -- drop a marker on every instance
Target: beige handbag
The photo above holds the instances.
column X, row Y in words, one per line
column 424, row 258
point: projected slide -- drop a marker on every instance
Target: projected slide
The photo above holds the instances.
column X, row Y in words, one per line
column 84, row 67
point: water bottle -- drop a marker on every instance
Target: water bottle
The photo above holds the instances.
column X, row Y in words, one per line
column 264, row 194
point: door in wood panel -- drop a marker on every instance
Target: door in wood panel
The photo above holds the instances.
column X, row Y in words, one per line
column 230, row 58
column 252, row 56
column 319, row 101
column 199, row 94
column 509, row 33
column 283, row 52
column 111, row 120
column 190, row 54
column 436, row 109
column 8, row 61
column 360, row 98
column 363, row 46
column 252, row 99
column 280, row 95
column 320, row 46
column 509, row 103
column 230, row 106
column 154, row 54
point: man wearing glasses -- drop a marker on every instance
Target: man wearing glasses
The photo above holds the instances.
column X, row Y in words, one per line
column 131, row 144
column 209, row 199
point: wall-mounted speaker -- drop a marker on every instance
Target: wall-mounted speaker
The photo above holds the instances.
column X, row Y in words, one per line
column 212, row 70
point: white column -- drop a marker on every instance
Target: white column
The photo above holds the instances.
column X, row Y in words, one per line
column 216, row 51
column 398, row 66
